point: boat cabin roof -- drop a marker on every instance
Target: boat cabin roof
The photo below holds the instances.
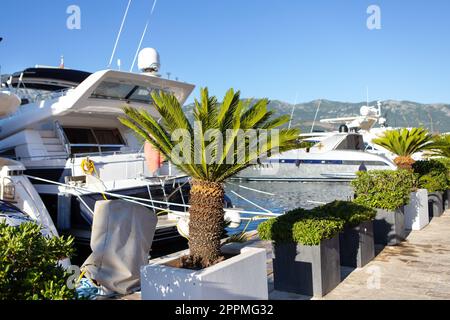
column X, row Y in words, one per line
column 48, row 79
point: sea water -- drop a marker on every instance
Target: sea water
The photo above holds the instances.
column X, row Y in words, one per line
column 281, row 197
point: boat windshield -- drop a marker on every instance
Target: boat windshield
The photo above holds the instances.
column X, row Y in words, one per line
column 351, row 142
column 124, row 91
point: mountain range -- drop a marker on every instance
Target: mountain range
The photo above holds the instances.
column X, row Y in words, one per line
column 435, row 117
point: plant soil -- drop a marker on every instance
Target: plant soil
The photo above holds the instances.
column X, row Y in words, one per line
column 188, row 262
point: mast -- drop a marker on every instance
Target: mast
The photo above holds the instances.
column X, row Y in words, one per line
column 293, row 108
column 315, row 117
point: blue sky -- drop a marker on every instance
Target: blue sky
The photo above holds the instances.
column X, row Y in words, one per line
column 276, row 49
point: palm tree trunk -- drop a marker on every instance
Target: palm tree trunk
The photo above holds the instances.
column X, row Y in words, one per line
column 206, row 221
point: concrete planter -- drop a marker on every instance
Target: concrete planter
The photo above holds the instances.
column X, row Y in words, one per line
column 436, row 204
column 307, row 270
column 389, row 227
column 357, row 245
column 242, row 277
column 416, row 212
column 447, row 200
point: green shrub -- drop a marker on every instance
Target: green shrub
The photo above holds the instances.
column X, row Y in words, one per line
column 300, row 226
column 434, row 182
column 445, row 162
column 352, row 213
column 384, row 189
column 433, row 174
column 28, row 264
column 425, row 167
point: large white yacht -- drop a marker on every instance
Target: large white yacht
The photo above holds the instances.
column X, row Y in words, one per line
column 333, row 157
column 62, row 125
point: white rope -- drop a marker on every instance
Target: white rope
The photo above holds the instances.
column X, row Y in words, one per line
column 245, row 199
column 251, row 189
column 316, row 202
column 120, row 32
column 138, row 200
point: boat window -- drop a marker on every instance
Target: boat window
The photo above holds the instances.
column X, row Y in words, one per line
column 78, row 136
column 108, row 136
column 88, row 140
column 112, row 90
column 8, row 153
column 141, row 95
column 126, row 92
column 351, row 142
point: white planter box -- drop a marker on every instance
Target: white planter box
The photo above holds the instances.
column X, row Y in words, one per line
column 243, row 277
column 416, row 212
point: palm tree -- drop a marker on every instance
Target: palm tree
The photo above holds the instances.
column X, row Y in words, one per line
column 207, row 160
column 404, row 143
column 442, row 146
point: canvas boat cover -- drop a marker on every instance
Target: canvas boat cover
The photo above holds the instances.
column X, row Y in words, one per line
column 122, row 235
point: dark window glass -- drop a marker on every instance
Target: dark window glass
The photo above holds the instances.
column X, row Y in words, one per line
column 113, row 90
column 9, row 153
column 80, row 136
column 108, row 136
column 351, row 142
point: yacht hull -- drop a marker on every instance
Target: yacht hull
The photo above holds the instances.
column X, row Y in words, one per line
column 303, row 172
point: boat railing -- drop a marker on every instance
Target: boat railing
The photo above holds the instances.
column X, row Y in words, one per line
column 62, row 137
column 34, row 96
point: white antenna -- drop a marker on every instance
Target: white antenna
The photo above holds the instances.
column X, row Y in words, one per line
column 293, row 108
column 143, row 36
column 315, row 117
column 119, row 64
column 367, row 95
column 120, row 32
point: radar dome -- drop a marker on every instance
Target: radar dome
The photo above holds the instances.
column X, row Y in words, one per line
column 148, row 60
column 364, row 111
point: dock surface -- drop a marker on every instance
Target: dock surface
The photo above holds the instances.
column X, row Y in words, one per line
column 418, row 269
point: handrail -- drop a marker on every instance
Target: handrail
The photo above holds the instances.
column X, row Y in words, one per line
column 62, row 137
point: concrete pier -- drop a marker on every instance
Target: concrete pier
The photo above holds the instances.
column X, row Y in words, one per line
column 418, row 269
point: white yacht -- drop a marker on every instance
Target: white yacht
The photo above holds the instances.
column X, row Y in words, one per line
column 333, row 157
column 62, row 125
column 19, row 201
column 366, row 125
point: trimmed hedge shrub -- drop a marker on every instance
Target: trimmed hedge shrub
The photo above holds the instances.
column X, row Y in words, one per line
column 384, row 189
column 352, row 213
column 433, row 175
column 300, row 226
column 29, row 267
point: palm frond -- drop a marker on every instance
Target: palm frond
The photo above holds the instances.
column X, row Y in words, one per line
column 216, row 135
column 406, row 142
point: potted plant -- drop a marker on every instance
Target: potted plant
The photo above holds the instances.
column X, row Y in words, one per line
column 212, row 149
column 405, row 143
column 356, row 241
column 305, row 252
column 433, row 176
column 416, row 211
column 388, row 192
column 441, row 153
